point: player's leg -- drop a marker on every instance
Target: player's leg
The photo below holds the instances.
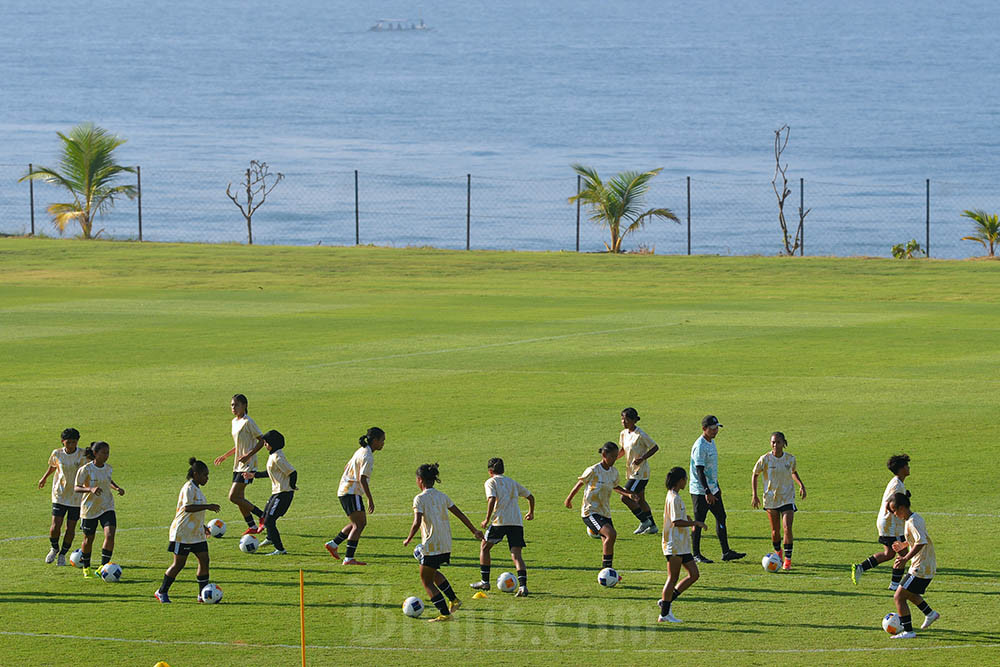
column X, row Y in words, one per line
column 718, row 510
column 87, row 545
column 352, row 505
column 692, row 576
column 647, row 513
column 110, row 525
column 202, row 573
column 445, row 587
column 774, row 518
column 667, row 595
column 633, row 506
column 55, row 528
column 858, row 569
column 180, row 558
column 520, row 568
column 485, row 563
column 608, row 538
column 427, row 576
column 67, row 543
column 358, row 522
column 700, row 514
column 787, row 518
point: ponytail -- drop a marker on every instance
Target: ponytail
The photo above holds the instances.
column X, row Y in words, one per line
column 91, row 451
column 428, row 472
column 675, row 475
column 374, row 433
column 195, row 466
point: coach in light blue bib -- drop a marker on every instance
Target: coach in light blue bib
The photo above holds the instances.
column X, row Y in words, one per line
column 704, row 453
column 706, row 496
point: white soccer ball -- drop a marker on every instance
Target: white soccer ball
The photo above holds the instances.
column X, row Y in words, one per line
column 413, row 607
column 771, row 562
column 76, row 557
column 248, row 544
column 211, row 594
column 507, row 582
column 110, row 572
column 608, row 577
column 418, row 552
column 892, row 624
column 216, row 527
column 593, row 533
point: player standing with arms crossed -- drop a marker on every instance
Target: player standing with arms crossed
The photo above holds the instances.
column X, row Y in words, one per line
column 501, row 497
column 705, row 492
column 890, row 528
column 64, row 461
column 636, row 445
column 778, row 469
column 247, row 441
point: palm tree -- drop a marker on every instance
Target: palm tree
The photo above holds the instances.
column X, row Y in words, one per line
column 987, row 230
column 618, row 202
column 88, row 172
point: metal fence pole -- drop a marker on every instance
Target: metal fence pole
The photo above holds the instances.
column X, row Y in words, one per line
column 468, row 209
column 31, row 195
column 928, row 246
column 689, row 214
column 578, row 178
column 138, row 183
column 802, row 217
column 357, row 224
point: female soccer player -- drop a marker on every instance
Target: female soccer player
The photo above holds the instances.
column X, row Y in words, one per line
column 890, row 529
column 64, row 461
column 601, row 479
column 283, row 487
column 353, row 483
column 187, row 530
column 919, row 550
column 676, row 544
column 430, row 515
column 638, row 447
column 97, row 505
column 778, row 468
column 501, row 497
column 247, row 441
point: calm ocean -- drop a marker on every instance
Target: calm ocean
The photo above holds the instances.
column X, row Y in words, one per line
column 880, row 97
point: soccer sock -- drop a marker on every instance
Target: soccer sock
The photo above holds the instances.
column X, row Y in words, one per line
column 445, row 588
column 341, row 536
column 647, row 517
column 696, row 540
column 65, row 548
column 664, row 607
column 442, row 606
column 607, row 560
column 105, row 556
column 54, row 541
column 352, row 546
column 165, row 586
column 250, row 520
column 907, row 622
column 777, row 546
column 788, row 551
column 274, row 535
column 638, row 513
column 257, row 512
column 202, row 582
column 484, row 572
column 85, row 560
column 677, row 594
column 897, row 575
column 924, row 607
column 723, row 534
column 868, row 563
column 522, row 578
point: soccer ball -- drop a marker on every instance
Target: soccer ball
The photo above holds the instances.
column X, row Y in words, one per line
column 211, row 594
column 413, row 607
column 248, row 544
column 608, row 577
column 892, row 624
column 507, row 583
column 216, row 527
column 771, row 562
column 76, row 557
column 110, row 572
column 418, row 552
column 593, row 533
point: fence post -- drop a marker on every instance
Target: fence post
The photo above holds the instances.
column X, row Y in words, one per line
column 357, row 224
column 578, row 178
column 31, row 195
column 802, row 217
column 689, row 214
column 138, row 183
column 468, row 209
column 928, row 246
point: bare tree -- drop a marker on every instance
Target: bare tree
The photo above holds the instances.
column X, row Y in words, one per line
column 780, row 141
column 258, row 183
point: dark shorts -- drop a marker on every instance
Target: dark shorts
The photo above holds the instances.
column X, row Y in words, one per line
column 702, row 508
column 89, row 526
column 436, row 561
column 888, row 541
column 68, row 511
column 685, row 558
column 636, row 485
column 790, row 507
column 915, row 585
column 181, row 548
column 351, row 504
column 277, row 505
column 514, row 535
column 238, row 478
column 596, row 522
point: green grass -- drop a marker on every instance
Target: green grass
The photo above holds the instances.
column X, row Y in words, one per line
column 464, row 356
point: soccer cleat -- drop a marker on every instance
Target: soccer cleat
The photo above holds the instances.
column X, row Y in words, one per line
column 651, row 529
column 440, row 619
column 455, row 605
column 253, row 530
column 331, row 546
column 641, row 529
column 733, row 555
column 62, row 560
column 522, row 592
column 164, row 598
column 856, row 572
column 90, row 574
column 893, row 585
column 277, row 552
column 51, row 556
column 265, row 543
column 909, row 634
column 787, row 565
column 353, row 561
column 480, row 586
column 669, row 618
column 698, row 558
column 929, row 619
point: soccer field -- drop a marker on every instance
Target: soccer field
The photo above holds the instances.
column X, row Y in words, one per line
column 464, row 356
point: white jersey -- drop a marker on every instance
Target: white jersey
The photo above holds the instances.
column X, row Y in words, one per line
column 676, row 540
column 189, row 527
column 245, row 435
column 93, row 505
column 279, row 470
column 924, row 564
column 599, row 482
column 635, row 443
column 435, row 529
column 779, row 488
column 359, row 466
column 66, row 465
column 506, row 491
column 888, row 524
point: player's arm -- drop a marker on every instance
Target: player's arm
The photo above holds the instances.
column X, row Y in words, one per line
column 219, row 460
column 201, row 508
column 621, row 452
column 627, row 494
column 48, row 472
column 531, row 508
column 700, row 471
column 368, row 494
column 464, row 519
column 491, row 505
column 120, row 490
column 905, row 554
column 648, row 455
column 418, row 517
column 80, row 485
column 683, row 523
column 569, row 498
column 754, row 499
column 253, row 452
column 802, row 487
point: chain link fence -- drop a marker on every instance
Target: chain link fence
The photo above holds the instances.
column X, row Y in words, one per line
column 717, row 215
